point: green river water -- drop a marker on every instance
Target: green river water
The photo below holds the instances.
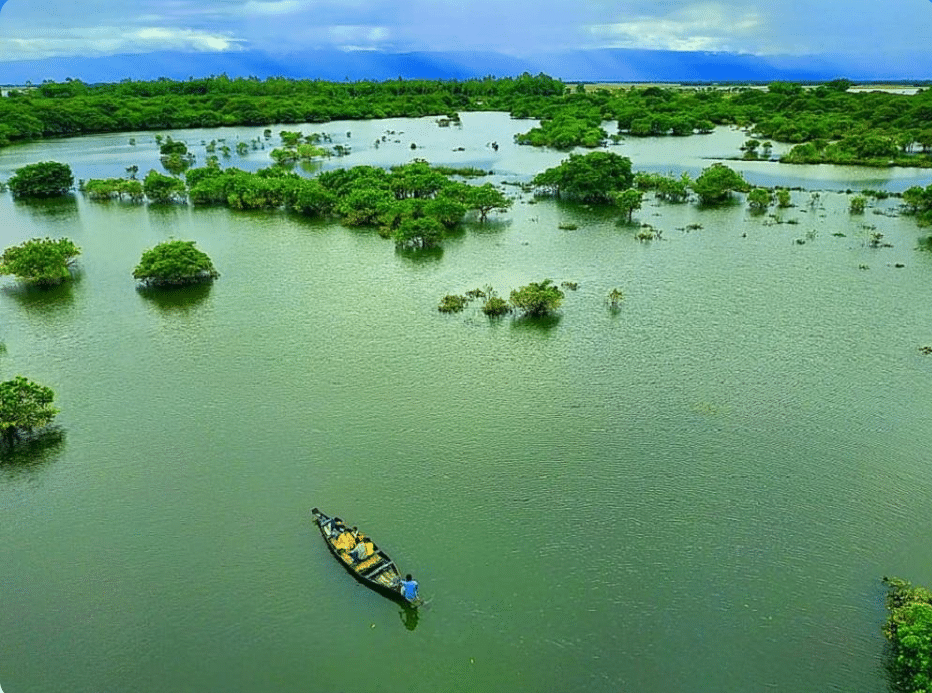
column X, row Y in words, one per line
column 697, row 494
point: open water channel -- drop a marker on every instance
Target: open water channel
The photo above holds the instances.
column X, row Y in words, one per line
column 699, row 493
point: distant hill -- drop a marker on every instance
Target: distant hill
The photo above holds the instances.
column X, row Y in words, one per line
column 333, row 65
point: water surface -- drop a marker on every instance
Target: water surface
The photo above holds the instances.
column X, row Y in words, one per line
column 699, row 492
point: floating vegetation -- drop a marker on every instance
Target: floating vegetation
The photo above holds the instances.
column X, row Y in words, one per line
column 452, row 303
column 925, row 350
column 614, row 298
column 462, row 171
column 572, row 286
column 567, row 227
column 496, row 306
column 648, row 233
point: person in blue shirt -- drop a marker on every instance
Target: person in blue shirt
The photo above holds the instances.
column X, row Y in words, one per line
column 409, row 588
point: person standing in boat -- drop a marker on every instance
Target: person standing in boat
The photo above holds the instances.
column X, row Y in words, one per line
column 409, row 588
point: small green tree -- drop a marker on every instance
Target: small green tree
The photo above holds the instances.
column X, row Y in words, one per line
column 423, row 232
column 495, row 306
column 24, row 407
column 759, row 199
column 45, row 179
column 452, row 303
column 716, row 183
column 174, row 263
column 589, row 178
column 537, row 298
column 42, row 261
column 159, row 188
column 486, row 198
column 627, row 201
column 615, row 297
column 783, row 198
column 857, row 204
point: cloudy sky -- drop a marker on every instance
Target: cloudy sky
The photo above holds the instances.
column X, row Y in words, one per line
column 894, row 33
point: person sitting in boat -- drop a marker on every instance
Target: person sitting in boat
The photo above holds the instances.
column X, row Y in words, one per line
column 361, row 551
column 409, row 588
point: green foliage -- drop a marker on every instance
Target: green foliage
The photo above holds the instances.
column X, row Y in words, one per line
column 423, row 232
column 759, row 199
column 857, row 204
column 568, row 128
column 44, row 179
column 313, row 199
column 588, row 178
column 537, row 298
column 161, row 188
column 174, row 263
column 918, row 200
column 783, row 198
column 486, row 198
column 24, row 407
column 716, row 183
column 845, row 126
column 666, row 188
column 627, row 201
column 42, row 261
column 495, row 306
column 170, row 146
column 614, row 299
column 109, row 188
column 909, row 629
column 452, row 303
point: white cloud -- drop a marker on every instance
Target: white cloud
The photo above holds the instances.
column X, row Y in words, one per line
column 358, row 37
column 697, row 27
column 273, row 7
column 109, row 40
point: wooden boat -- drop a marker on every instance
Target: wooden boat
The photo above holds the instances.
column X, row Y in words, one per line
column 376, row 570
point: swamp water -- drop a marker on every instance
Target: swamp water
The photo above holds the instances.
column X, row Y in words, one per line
column 698, row 493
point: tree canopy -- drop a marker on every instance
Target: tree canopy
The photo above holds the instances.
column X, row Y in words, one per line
column 716, row 183
column 44, row 179
column 175, row 263
column 909, row 630
column 24, row 407
column 162, row 188
column 42, row 261
column 537, row 298
column 591, row 177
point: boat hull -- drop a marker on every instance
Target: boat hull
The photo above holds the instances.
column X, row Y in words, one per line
column 377, row 571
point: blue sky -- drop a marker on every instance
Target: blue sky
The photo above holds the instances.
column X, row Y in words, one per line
column 859, row 33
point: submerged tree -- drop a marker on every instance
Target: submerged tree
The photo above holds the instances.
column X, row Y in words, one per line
column 159, row 188
column 486, row 198
column 175, row 263
column 590, row 178
column 627, row 201
column 42, row 261
column 717, row 182
column 537, row 298
column 759, row 199
column 45, row 179
column 24, row 407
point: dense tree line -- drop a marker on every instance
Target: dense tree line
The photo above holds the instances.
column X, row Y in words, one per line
column 832, row 123
column 71, row 108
